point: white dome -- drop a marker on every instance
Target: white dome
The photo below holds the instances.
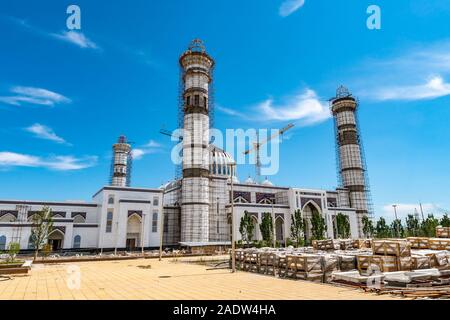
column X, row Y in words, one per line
column 221, row 162
column 249, row 181
column 267, row 183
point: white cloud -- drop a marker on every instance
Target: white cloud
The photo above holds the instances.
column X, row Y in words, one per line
column 77, row 38
column 153, row 144
column 415, row 74
column 304, row 107
column 58, row 163
column 290, row 6
column 46, row 133
column 74, row 37
column 404, row 209
column 137, row 153
column 229, row 111
column 31, row 95
column 148, row 148
column 434, row 88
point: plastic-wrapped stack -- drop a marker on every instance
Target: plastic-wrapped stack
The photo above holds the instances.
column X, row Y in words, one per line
column 387, row 256
column 443, row 232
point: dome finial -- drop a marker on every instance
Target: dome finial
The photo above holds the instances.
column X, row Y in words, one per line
column 197, row 46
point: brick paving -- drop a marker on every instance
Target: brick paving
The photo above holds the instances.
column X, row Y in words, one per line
column 168, row 279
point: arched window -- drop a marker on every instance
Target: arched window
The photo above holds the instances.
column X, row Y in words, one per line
column 31, row 243
column 79, row 219
column 109, row 220
column 77, row 242
column 111, row 200
column 2, row 242
column 155, row 221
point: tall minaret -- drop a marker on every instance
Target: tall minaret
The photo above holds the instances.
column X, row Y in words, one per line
column 352, row 168
column 121, row 163
column 196, row 66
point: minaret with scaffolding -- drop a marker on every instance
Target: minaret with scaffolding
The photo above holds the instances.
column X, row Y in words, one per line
column 121, row 163
column 196, row 72
column 352, row 168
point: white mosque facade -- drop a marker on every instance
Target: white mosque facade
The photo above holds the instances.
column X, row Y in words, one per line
column 194, row 210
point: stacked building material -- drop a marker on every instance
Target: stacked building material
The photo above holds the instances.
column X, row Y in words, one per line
column 387, row 256
column 398, row 248
column 267, row 263
column 346, row 262
column 420, row 262
column 443, row 232
column 323, row 245
column 439, row 244
column 419, row 242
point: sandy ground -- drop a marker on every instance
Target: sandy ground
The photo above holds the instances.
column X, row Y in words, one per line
column 169, row 279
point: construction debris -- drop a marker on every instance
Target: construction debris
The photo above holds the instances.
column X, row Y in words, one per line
column 391, row 266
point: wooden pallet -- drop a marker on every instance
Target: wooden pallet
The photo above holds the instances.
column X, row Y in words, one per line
column 421, row 262
column 323, row 245
column 398, row 248
column 439, row 244
column 419, row 242
column 405, row 263
column 384, row 263
column 443, row 232
column 267, row 263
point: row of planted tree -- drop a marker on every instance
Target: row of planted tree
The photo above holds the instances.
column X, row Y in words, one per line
column 42, row 226
column 412, row 227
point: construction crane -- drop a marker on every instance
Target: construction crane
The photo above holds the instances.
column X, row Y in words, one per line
column 170, row 134
column 257, row 147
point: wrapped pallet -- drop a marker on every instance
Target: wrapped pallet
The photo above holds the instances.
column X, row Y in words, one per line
column 346, row 244
column 386, row 263
column 323, row 245
column 363, row 262
column 347, row 262
column 439, row 244
column 443, row 232
column 251, row 260
column 420, row 262
column 398, row 248
column 405, row 263
column 419, row 242
column 299, row 266
column 439, row 260
column 382, row 263
column 239, row 259
column 267, row 263
column 330, row 264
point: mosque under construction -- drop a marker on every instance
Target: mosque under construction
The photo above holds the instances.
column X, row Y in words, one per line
column 197, row 207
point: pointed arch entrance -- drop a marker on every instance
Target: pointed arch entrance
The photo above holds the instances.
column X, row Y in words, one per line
column 307, row 212
column 133, row 231
column 279, row 228
column 56, row 240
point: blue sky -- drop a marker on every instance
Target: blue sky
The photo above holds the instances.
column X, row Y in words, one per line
column 66, row 97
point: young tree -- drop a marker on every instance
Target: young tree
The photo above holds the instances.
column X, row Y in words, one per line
column 382, row 229
column 13, row 250
column 42, row 226
column 297, row 227
column 429, row 226
column 318, row 226
column 445, row 221
column 412, row 226
column 266, row 227
column 368, row 227
column 343, row 226
column 397, row 229
column 246, row 227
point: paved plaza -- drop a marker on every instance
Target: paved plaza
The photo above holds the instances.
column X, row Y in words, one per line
column 168, row 279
